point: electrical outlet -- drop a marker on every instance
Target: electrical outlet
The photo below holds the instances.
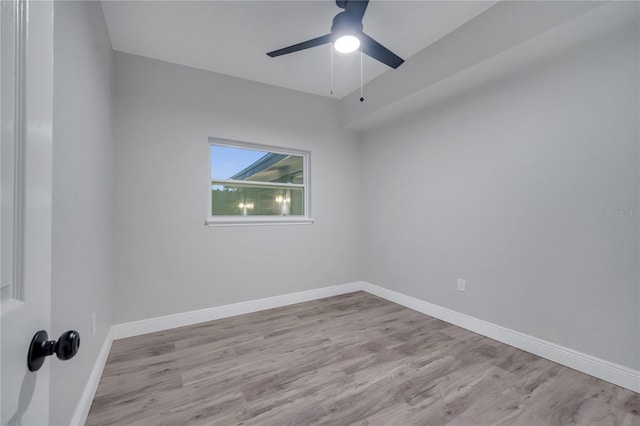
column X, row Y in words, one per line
column 462, row 285
column 93, row 324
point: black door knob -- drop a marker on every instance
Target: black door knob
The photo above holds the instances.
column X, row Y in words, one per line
column 41, row 347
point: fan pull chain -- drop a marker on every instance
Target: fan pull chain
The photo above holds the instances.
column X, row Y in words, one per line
column 361, row 79
column 331, row 48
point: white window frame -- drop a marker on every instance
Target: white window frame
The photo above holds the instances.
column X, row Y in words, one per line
column 257, row 219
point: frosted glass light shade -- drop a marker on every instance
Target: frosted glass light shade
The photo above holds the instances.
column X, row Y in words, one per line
column 347, row 44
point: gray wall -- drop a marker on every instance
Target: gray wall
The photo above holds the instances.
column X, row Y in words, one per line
column 82, row 194
column 508, row 186
column 166, row 260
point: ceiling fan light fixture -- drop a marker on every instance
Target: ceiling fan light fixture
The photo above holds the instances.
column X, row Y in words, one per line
column 347, row 44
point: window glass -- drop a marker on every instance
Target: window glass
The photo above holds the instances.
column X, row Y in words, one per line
column 229, row 163
column 250, row 181
column 247, row 200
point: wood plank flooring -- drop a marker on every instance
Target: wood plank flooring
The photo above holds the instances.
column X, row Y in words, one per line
column 351, row 359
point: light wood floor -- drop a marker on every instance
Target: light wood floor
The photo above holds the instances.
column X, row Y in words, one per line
column 351, row 359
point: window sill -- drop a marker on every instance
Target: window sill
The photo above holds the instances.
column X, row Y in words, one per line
column 257, row 221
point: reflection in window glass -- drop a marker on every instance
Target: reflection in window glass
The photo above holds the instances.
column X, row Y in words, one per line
column 254, row 182
column 235, row 200
column 227, row 161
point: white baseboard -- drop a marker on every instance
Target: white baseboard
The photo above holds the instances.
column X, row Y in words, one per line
column 167, row 322
column 605, row 370
column 84, row 405
column 596, row 367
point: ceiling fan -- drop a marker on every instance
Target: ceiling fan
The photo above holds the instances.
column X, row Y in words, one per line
column 347, row 36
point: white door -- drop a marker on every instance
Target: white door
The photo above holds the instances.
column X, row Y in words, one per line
column 26, row 162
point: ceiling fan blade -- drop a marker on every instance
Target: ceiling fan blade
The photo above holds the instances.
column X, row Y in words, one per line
column 356, row 8
column 301, row 46
column 379, row 52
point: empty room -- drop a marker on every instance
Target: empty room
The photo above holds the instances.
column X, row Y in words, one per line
column 331, row 212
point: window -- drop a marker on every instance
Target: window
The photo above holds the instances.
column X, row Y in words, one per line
column 257, row 184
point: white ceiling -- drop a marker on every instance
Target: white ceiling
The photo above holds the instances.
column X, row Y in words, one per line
column 232, row 37
column 559, row 28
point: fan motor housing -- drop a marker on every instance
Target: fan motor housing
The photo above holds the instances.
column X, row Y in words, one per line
column 344, row 23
